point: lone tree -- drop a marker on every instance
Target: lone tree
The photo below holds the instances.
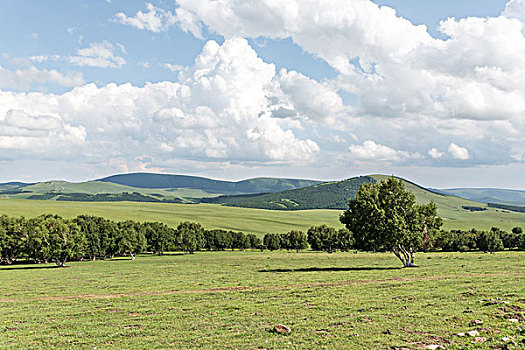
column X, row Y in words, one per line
column 386, row 217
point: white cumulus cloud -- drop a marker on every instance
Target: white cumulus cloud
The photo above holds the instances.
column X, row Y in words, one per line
column 154, row 20
column 515, row 9
column 221, row 108
column 100, row 55
column 370, row 150
column 469, row 87
column 458, row 152
column 22, row 79
column 434, row 153
column 20, row 131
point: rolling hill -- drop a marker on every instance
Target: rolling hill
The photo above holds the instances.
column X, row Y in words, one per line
column 457, row 213
column 331, row 195
column 257, row 185
column 327, row 195
column 143, row 187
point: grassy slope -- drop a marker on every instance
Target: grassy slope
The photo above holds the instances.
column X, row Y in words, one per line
column 209, row 215
column 243, row 219
column 12, row 185
column 230, row 300
column 255, row 220
column 91, row 187
column 94, row 187
column 454, row 217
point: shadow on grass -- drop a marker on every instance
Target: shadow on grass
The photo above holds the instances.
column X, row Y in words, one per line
column 30, row 267
column 332, row 269
column 128, row 258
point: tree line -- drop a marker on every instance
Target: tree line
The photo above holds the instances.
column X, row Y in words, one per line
column 489, row 241
column 51, row 238
column 330, row 240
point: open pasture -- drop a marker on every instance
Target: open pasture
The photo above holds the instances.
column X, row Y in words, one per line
column 256, row 221
column 231, row 300
column 211, row 216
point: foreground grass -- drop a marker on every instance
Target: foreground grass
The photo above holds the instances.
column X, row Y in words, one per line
column 231, row 300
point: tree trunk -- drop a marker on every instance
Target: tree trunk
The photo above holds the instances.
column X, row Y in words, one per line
column 406, row 257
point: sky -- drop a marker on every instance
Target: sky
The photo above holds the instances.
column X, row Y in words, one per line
column 232, row 89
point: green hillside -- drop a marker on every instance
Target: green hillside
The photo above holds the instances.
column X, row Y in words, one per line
column 457, row 213
column 12, row 185
column 489, row 195
column 90, row 187
column 145, row 188
column 257, row 185
column 97, row 191
column 12, row 188
column 327, row 195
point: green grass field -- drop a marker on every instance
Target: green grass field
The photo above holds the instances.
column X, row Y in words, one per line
column 231, row 300
column 247, row 220
column 209, row 215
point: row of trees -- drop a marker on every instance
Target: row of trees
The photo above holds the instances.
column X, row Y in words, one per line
column 322, row 238
column 329, row 239
column 489, row 241
column 51, row 238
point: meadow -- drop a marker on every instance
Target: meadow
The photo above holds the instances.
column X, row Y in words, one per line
column 211, row 216
column 256, row 221
column 232, row 300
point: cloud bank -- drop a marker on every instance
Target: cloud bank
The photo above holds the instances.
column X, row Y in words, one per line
column 420, row 100
column 468, row 88
column 221, row 109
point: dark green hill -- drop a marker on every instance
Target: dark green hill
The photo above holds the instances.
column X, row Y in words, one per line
column 258, row 185
column 13, row 185
column 11, row 188
column 328, row 195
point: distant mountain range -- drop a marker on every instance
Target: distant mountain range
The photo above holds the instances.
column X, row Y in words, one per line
column 488, row 195
column 257, row 185
column 144, row 187
column 262, row 193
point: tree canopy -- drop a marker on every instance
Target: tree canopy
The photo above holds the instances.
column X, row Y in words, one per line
column 386, row 217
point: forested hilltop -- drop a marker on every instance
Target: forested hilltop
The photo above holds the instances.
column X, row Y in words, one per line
column 328, row 195
column 256, row 185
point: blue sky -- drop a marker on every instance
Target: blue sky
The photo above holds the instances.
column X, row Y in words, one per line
column 238, row 89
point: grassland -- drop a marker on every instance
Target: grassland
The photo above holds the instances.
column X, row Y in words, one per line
column 252, row 220
column 209, row 215
column 231, row 300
